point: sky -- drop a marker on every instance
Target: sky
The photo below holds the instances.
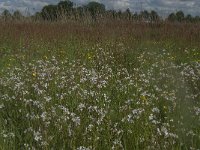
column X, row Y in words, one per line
column 163, row 7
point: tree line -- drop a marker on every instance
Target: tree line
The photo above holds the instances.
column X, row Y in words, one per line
column 6, row 15
column 94, row 10
column 181, row 17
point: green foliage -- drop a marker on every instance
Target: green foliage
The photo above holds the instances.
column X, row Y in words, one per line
column 154, row 16
column 17, row 15
column 6, row 15
column 49, row 12
column 66, row 10
column 180, row 17
column 95, row 9
column 172, row 17
column 145, row 15
column 113, row 89
column 128, row 14
column 53, row 12
column 65, row 7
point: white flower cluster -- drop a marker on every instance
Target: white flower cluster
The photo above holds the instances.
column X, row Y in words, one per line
column 100, row 102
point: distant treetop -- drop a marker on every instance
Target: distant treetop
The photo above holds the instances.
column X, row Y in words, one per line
column 95, row 10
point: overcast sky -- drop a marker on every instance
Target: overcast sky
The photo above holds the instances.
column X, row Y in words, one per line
column 164, row 7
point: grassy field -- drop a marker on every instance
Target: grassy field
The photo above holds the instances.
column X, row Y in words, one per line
column 112, row 85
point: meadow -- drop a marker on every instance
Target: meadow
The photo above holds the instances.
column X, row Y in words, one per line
column 99, row 86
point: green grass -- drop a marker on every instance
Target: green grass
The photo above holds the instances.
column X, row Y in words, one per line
column 110, row 93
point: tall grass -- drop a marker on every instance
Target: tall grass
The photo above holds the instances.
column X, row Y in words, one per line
column 106, row 85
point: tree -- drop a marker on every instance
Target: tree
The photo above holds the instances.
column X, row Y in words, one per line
column 65, row 7
column 180, row 16
column 172, row 17
column 154, row 16
column 17, row 15
column 145, row 15
column 189, row 18
column 128, row 14
column 6, row 15
column 95, row 9
column 49, row 12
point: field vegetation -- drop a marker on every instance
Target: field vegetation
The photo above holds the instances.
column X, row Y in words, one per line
column 99, row 84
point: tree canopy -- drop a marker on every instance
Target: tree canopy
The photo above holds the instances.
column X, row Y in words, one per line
column 6, row 15
column 181, row 17
column 97, row 10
